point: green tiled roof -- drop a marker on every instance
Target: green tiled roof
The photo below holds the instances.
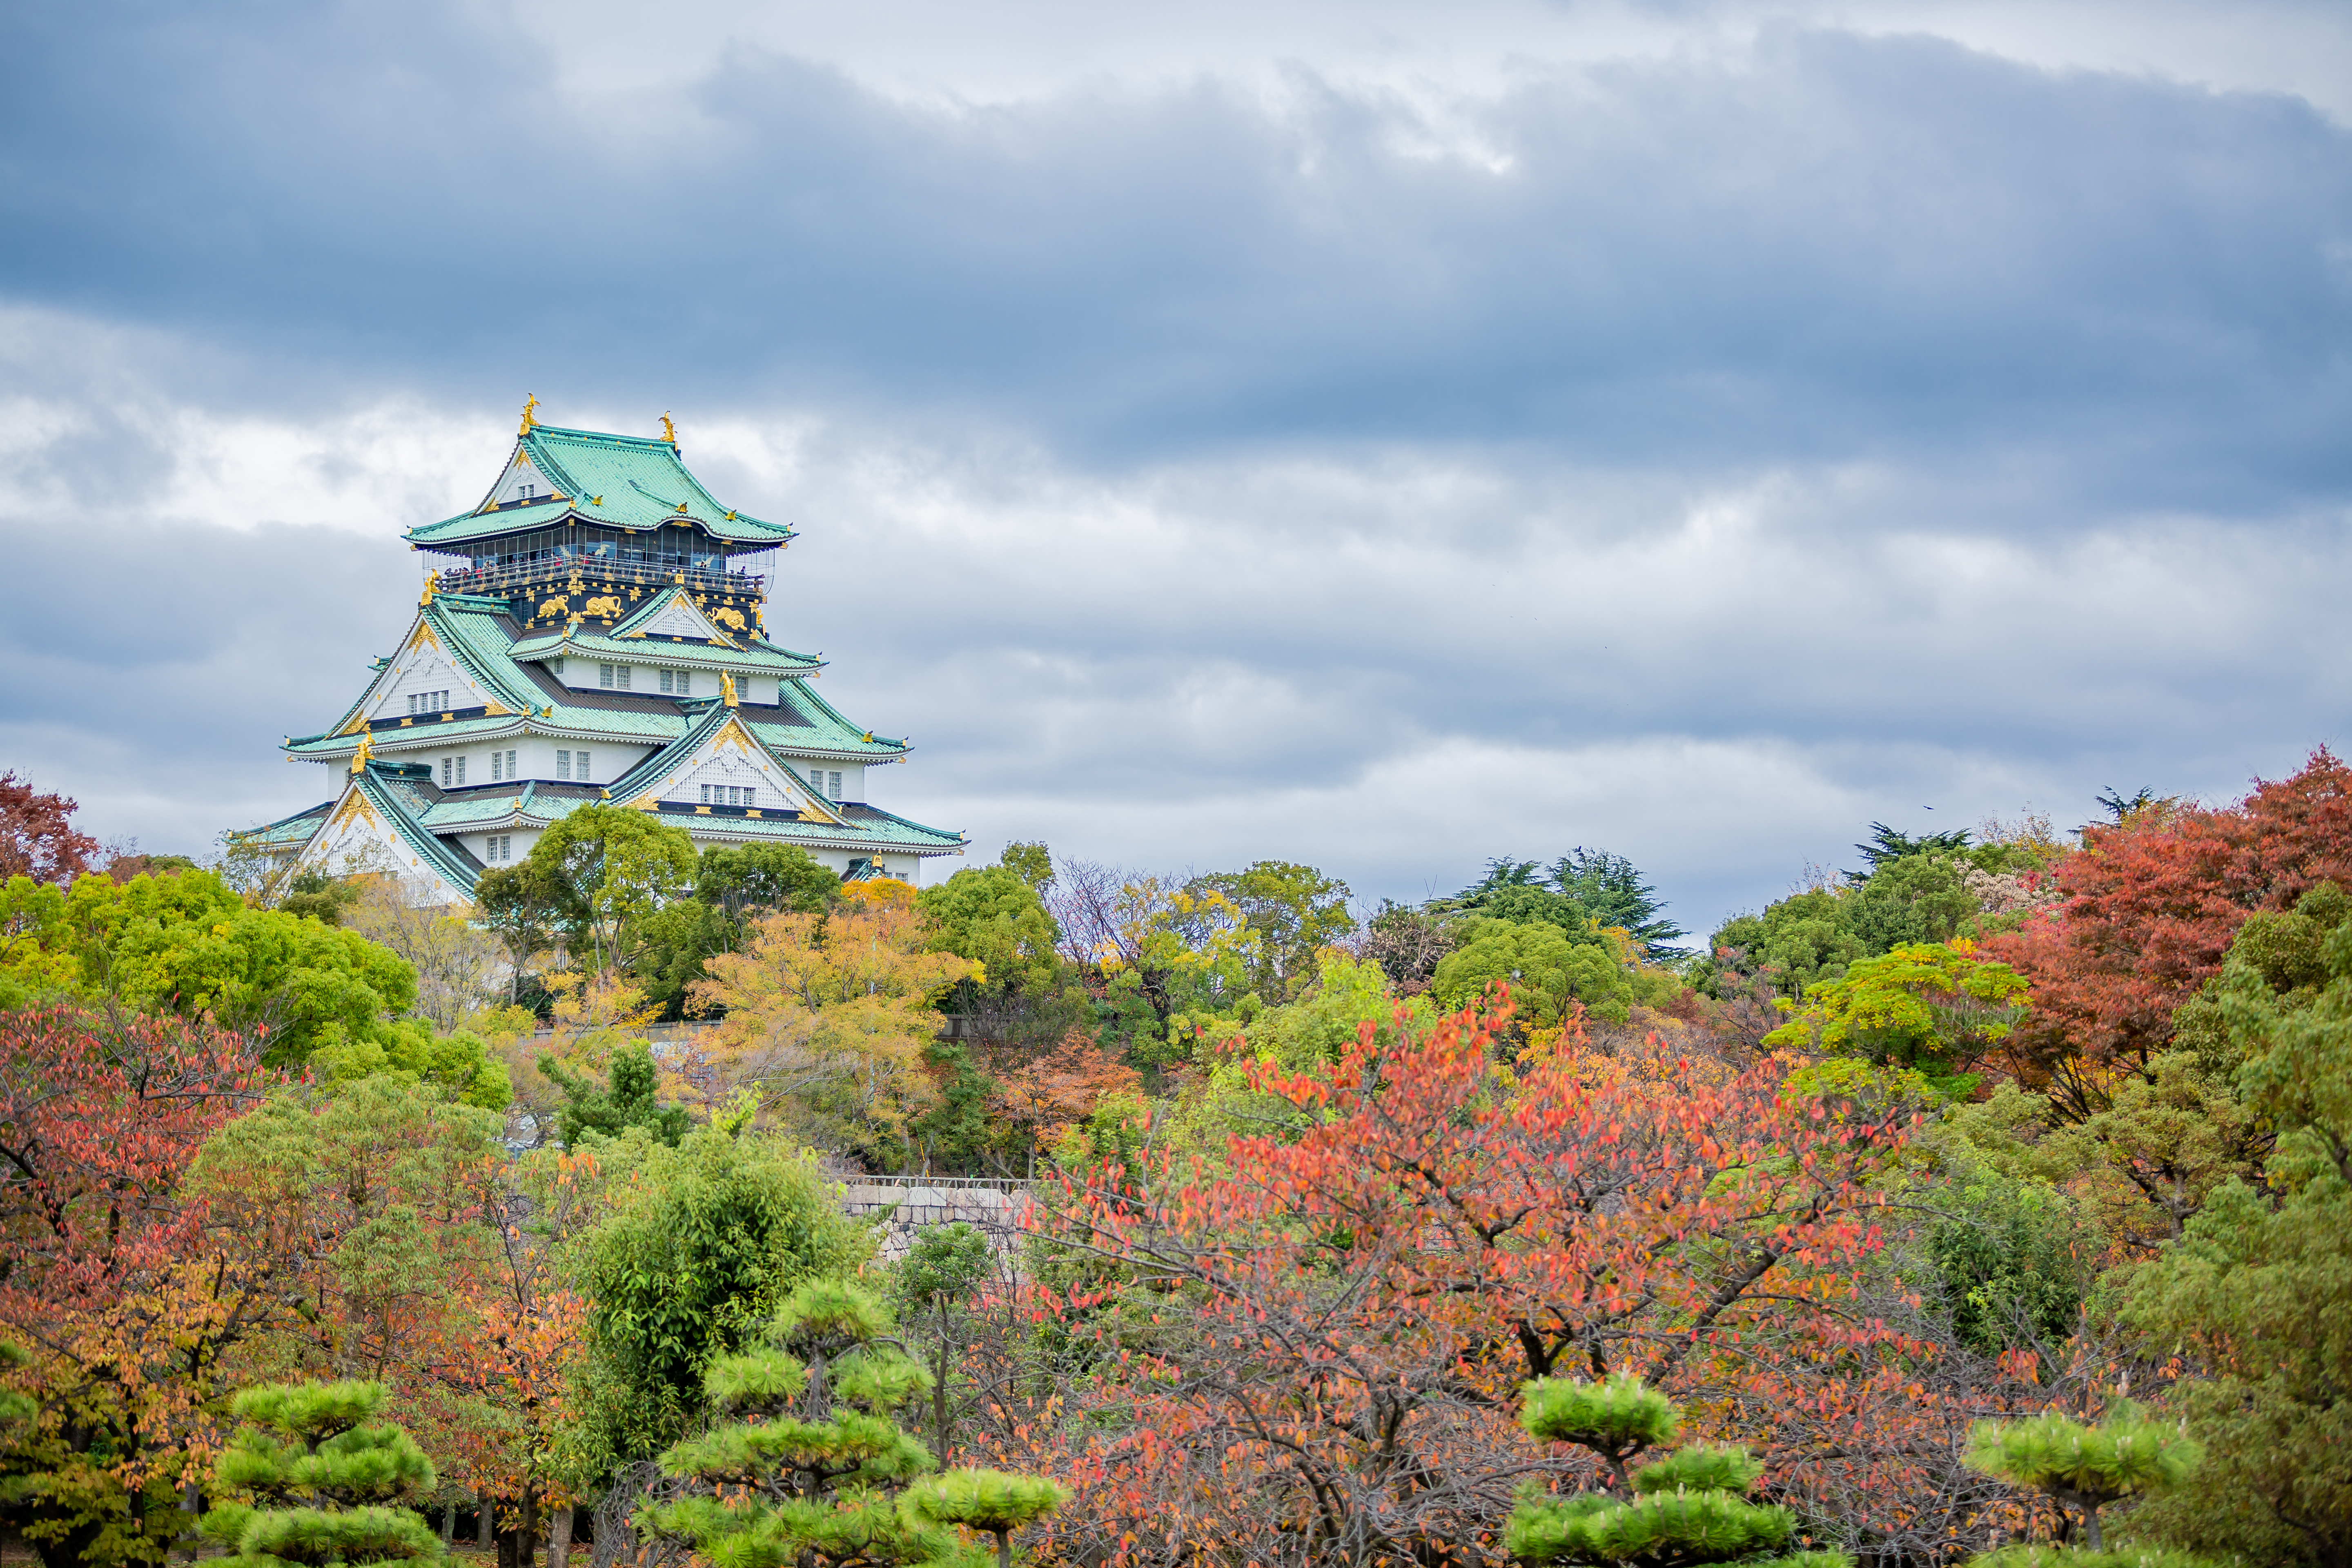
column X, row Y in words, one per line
column 626, row 481
column 475, row 632
column 756, row 659
column 399, row 803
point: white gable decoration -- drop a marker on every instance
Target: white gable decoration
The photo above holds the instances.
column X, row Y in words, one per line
column 424, row 667
column 731, row 758
column 522, row 481
column 680, row 618
column 356, row 837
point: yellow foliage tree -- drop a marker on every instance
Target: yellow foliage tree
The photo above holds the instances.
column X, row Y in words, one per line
column 828, row 1016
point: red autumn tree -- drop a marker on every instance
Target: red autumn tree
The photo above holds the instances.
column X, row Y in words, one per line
column 36, row 834
column 1043, row 1096
column 2149, row 907
column 105, row 1280
column 1314, row 1350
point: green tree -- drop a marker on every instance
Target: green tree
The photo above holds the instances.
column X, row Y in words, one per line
column 994, row 916
column 2256, row 1294
column 186, row 944
column 1612, row 892
column 996, row 1501
column 1688, row 1508
column 606, row 871
column 1546, row 971
column 1033, row 863
column 629, row 1098
column 316, row 1480
column 813, row 1466
column 1814, row 935
column 1294, row 910
column 1321, row 1025
column 523, row 908
column 698, row 1248
column 2085, row 1467
column 1935, row 1008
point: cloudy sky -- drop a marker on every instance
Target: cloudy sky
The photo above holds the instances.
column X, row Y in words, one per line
column 1378, row 435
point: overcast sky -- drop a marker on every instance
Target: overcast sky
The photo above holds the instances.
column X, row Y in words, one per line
column 1383, row 435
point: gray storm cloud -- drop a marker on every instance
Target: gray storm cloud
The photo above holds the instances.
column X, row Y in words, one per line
column 1698, row 454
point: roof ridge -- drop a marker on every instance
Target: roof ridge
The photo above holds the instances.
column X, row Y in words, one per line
column 566, row 485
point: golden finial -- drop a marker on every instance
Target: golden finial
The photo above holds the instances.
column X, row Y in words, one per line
column 432, row 587
column 530, row 413
column 669, row 432
column 727, row 687
column 366, row 750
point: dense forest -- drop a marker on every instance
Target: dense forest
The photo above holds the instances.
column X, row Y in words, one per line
column 1990, row 1201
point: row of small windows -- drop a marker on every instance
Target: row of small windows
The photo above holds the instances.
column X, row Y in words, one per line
column 615, row 678
column 730, row 795
column 572, row 766
column 428, row 702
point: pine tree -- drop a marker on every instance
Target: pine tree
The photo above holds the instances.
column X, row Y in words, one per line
column 2085, row 1467
column 317, row 1479
column 813, row 1470
column 1687, row 1508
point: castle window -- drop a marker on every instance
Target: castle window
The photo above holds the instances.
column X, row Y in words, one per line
column 453, row 771
column 499, row 846
column 833, row 786
column 511, row 767
column 686, row 683
column 603, row 675
column 428, row 701
column 582, row 760
column 563, row 764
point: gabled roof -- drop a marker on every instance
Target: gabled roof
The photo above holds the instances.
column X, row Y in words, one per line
column 625, row 481
column 750, row 656
column 639, row 783
column 480, row 636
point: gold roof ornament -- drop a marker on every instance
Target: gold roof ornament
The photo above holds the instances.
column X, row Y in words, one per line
column 727, row 687
column 364, row 752
column 529, row 414
column 432, row 587
column 669, row 433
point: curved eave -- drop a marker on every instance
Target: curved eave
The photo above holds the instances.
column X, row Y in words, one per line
column 817, row 835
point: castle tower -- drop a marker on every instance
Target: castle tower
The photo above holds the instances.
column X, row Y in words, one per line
column 594, row 631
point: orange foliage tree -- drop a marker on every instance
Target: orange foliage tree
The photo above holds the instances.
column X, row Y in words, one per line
column 2149, row 906
column 1312, row 1351
column 1040, row 1096
column 829, row 1016
column 105, row 1280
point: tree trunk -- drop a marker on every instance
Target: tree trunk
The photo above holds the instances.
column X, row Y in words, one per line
column 485, row 1521
column 559, row 1537
column 519, row 1547
column 448, row 1521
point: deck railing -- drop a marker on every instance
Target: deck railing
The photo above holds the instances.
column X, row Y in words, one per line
column 552, row 569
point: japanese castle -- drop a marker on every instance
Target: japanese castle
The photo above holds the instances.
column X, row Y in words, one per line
column 593, row 631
